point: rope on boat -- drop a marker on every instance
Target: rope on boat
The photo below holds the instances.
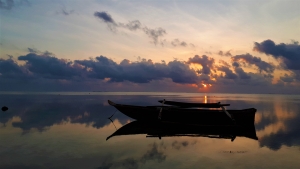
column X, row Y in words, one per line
column 111, row 119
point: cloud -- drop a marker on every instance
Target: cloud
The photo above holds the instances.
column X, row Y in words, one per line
column 104, row 16
column 50, row 73
column 235, row 64
column 143, row 71
column 287, row 54
column 79, row 110
column 132, row 25
column 178, row 145
column 241, row 73
column 177, row 42
column 154, row 34
column 49, row 66
column 253, row 60
column 206, row 63
column 221, row 53
column 7, row 4
column 294, row 76
column 280, row 126
column 32, row 50
column 154, row 154
column 10, row 69
column 228, row 72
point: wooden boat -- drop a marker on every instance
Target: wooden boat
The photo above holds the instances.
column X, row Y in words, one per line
column 189, row 115
column 169, row 129
column 189, row 105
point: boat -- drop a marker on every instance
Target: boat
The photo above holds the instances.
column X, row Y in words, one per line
column 188, row 113
column 189, row 105
column 171, row 129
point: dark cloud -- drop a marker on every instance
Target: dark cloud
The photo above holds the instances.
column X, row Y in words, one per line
column 235, row 64
column 221, row 53
column 287, row 54
column 32, row 50
column 177, row 42
column 49, row 73
column 49, row 66
column 287, row 78
column 287, row 135
column 206, row 63
column 104, row 16
column 132, row 25
column 10, row 69
column 154, row 34
column 6, row 4
column 46, row 66
column 241, row 73
column 9, row 4
column 228, row 72
column 9, row 66
column 222, row 62
column 139, row 72
column 253, row 60
column 39, row 112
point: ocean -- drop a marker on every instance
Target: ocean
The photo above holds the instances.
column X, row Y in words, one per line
column 70, row 130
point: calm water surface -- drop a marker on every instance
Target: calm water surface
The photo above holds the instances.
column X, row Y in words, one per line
column 69, row 130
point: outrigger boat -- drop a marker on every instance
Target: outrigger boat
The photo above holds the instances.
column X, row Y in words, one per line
column 189, row 113
column 170, row 129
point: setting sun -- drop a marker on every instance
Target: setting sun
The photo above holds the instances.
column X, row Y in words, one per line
column 206, row 85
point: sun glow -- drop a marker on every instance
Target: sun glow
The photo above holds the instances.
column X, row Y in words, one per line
column 206, row 85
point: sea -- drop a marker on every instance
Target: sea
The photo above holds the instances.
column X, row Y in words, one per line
column 71, row 130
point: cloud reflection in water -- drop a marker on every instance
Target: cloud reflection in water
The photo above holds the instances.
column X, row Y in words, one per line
column 72, row 122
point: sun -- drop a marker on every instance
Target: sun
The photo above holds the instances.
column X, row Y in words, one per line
column 206, row 85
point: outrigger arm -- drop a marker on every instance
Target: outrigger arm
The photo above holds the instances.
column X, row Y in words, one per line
column 159, row 114
column 226, row 112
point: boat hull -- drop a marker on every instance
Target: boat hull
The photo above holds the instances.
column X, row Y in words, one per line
column 167, row 129
column 183, row 115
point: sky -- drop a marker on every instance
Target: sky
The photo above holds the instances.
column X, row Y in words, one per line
column 205, row 46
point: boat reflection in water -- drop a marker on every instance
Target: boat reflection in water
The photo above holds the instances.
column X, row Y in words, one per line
column 168, row 129
column 183, row 119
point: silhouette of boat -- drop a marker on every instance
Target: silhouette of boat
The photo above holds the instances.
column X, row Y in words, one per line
column 190, row 113
column 168, row 129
